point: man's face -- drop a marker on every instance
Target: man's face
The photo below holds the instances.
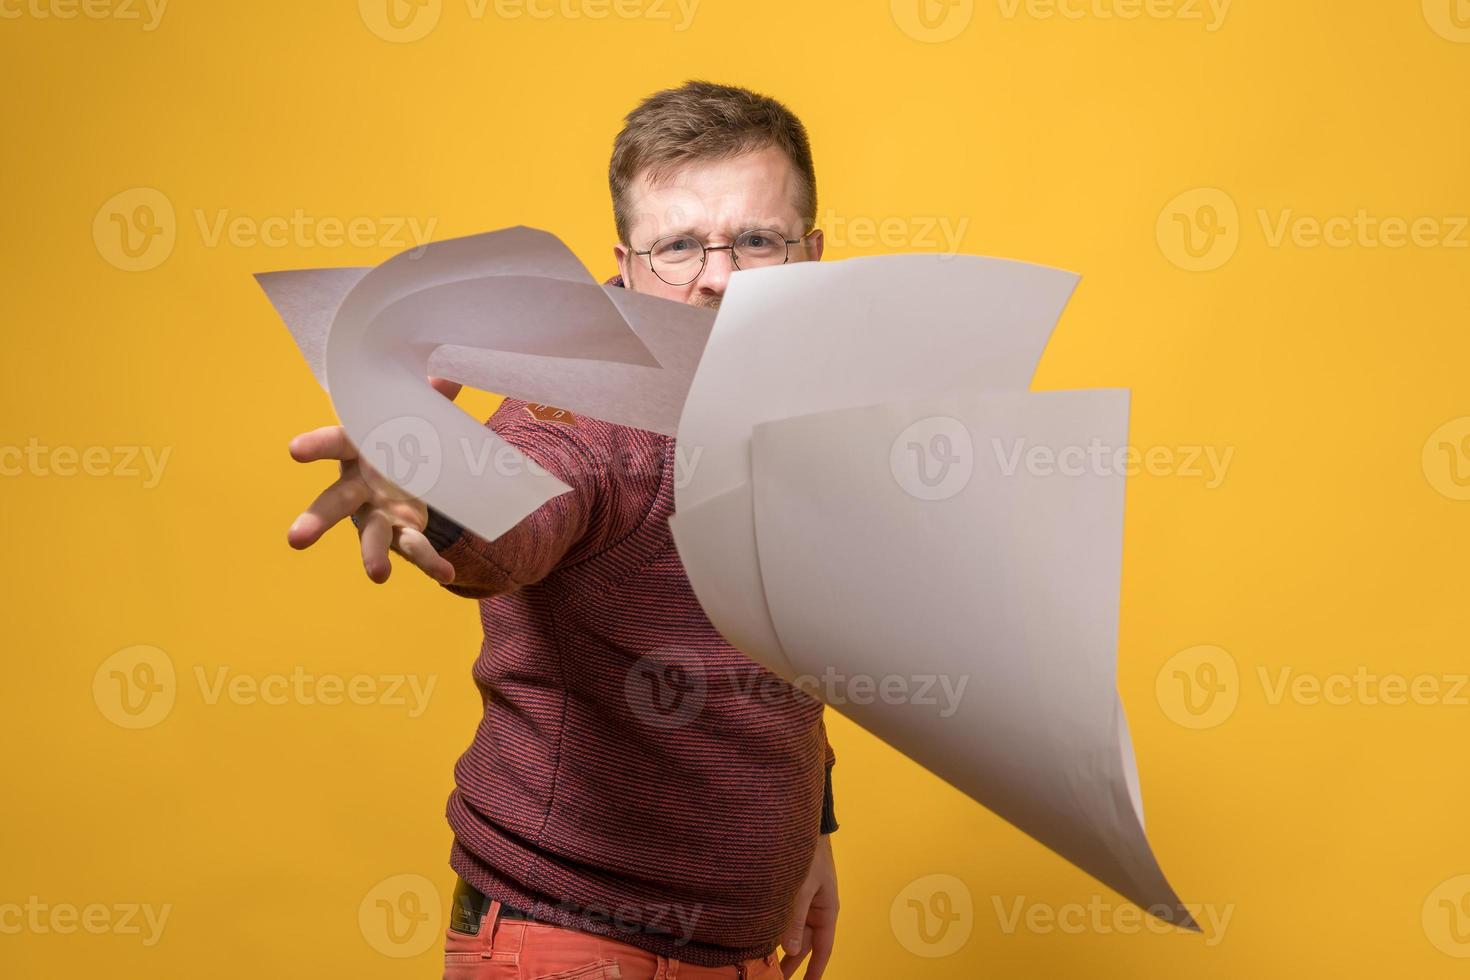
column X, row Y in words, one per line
column 714, row 202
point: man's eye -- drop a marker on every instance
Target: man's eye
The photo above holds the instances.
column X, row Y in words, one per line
column 757, row 241
column 677, row 246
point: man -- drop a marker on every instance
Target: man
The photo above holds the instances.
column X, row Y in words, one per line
column 640, row 799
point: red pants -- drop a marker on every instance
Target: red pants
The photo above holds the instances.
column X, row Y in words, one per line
column 514, row 949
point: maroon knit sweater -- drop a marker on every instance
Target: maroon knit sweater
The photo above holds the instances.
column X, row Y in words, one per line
column 633, row 775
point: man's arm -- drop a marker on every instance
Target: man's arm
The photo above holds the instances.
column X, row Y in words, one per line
column 563, row 529
column 557, row 529
column 605, row 504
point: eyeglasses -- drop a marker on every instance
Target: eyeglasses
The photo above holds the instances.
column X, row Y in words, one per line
column 679, row 259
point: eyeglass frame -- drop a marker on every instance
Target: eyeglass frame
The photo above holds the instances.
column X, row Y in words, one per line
column 707, row 248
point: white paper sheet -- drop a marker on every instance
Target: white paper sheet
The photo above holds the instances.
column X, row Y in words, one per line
column 1005, row 590
column 511, row 311
column 812, row 539
column 809, row 337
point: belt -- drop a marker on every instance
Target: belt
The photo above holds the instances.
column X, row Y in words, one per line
column 470, row 906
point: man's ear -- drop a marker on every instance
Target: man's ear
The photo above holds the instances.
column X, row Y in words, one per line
column 818, row 244
column 621, row 255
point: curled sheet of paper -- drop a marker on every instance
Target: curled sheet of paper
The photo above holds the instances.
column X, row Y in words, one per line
column 1014, row 561
column 863, row 515
column 511, row 311
column 809, row 337
column 860, row 501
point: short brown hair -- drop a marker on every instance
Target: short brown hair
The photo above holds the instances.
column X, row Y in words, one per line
column 705, row 121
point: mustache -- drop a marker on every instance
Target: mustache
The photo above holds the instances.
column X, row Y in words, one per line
column 698, row 299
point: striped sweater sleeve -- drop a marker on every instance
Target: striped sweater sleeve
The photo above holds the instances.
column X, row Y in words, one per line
column 567, row 528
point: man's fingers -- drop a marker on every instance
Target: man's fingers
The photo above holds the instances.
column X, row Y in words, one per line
column 334, row 503
column 791, row 939
column 449, row 389
column 790, row 963
column 377, row 534
column 412, row 545
column 821, row 943
column 328, row 442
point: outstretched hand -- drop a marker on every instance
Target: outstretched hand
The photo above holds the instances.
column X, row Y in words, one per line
column 387, row 518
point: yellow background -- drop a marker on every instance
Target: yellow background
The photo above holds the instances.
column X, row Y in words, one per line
column 1333, row 835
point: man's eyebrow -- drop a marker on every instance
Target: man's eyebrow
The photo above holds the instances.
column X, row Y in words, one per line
column 767, row 225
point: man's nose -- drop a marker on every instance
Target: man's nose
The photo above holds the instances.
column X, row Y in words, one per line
column 717, row 268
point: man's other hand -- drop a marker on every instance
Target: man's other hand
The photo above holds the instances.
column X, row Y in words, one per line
column 813, row 923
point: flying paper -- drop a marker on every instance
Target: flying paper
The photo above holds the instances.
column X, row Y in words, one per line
column 513, row 312
column 864, row 503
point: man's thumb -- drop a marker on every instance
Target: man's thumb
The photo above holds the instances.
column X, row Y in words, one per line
column 449, row 389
